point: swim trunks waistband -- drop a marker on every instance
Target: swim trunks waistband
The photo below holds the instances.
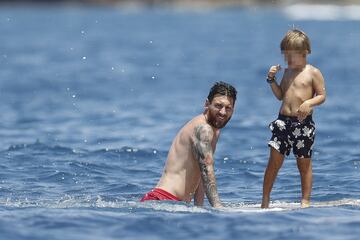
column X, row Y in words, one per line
column 159, row 194
column 293, row 118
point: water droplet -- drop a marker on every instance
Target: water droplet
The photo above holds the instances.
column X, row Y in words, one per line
column 84, row 58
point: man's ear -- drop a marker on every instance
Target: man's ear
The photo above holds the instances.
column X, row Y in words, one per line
column 206, row 105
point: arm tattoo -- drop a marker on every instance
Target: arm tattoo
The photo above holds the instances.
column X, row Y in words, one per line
column 204, row 154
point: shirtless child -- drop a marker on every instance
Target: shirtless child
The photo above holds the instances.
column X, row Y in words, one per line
column 189, row 169
column 301, row 89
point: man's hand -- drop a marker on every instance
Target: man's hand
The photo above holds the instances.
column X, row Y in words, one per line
column 218, row 205
column 304, row 110
column 273, row 70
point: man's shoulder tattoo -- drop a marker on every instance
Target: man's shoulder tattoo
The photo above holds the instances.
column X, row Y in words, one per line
column 202, row 141
column 203, row 132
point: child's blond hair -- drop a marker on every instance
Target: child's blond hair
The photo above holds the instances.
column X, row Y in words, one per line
column 295, row 40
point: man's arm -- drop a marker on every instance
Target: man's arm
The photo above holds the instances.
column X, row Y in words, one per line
column 204, row 135
column 199, row 195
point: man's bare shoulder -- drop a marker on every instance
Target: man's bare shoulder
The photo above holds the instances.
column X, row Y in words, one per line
column 190, row 128
column 198, row 120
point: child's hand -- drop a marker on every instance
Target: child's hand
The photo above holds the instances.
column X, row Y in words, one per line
column 304, row 110
column 273, row 70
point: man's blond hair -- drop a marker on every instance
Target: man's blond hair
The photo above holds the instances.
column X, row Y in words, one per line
column 295, row 40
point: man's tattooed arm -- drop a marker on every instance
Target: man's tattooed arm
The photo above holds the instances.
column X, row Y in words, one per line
column 199, row 195
column 204, row 135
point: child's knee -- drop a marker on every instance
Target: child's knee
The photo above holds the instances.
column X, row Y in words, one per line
column 304, row 164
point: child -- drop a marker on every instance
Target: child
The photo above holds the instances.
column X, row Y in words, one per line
column 301, row 88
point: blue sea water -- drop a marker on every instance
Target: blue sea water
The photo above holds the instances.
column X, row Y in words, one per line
column 90, row 99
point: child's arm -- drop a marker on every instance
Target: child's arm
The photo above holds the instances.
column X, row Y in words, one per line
column 320, row 95
column 276, row 89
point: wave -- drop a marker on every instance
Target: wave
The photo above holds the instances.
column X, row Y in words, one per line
column 39, row 146
column 286, row 206
column 101, row 202
column 68, row 201
column 126, row 150
column 323, row 12
column 57, row 170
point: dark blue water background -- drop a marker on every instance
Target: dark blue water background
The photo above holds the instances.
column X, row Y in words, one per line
column 90, row 99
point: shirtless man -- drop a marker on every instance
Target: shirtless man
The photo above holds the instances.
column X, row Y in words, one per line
column 189, row 169
column 302, row 87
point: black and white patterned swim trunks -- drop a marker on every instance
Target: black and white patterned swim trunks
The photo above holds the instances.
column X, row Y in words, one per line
column 289, row 132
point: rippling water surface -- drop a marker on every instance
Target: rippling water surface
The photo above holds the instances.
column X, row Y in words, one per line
column 91, row 99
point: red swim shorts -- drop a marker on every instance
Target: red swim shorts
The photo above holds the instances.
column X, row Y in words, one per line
column 159, row 194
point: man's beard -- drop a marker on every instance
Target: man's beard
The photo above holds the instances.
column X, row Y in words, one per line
column 211, row 119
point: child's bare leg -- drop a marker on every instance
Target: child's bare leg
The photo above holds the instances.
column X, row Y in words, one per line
column 276, row 160
column 305, row 169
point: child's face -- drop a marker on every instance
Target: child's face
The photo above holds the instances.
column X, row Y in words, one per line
column 294, row 58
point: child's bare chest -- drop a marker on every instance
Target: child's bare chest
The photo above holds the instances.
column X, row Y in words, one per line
column 300, row 82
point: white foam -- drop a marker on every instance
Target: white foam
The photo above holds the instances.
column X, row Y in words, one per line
column 337, row 203
column 288, row 206
column 99, row 202
column 322, row 12
column 172, row 207
column 256, row 207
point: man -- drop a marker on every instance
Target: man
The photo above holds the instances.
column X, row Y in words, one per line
column 189, row 169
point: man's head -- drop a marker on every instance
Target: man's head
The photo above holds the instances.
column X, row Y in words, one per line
column 219, row 105
column 295, row 46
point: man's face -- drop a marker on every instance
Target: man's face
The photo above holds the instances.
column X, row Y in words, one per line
column 295, row 59
column 220, row 110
